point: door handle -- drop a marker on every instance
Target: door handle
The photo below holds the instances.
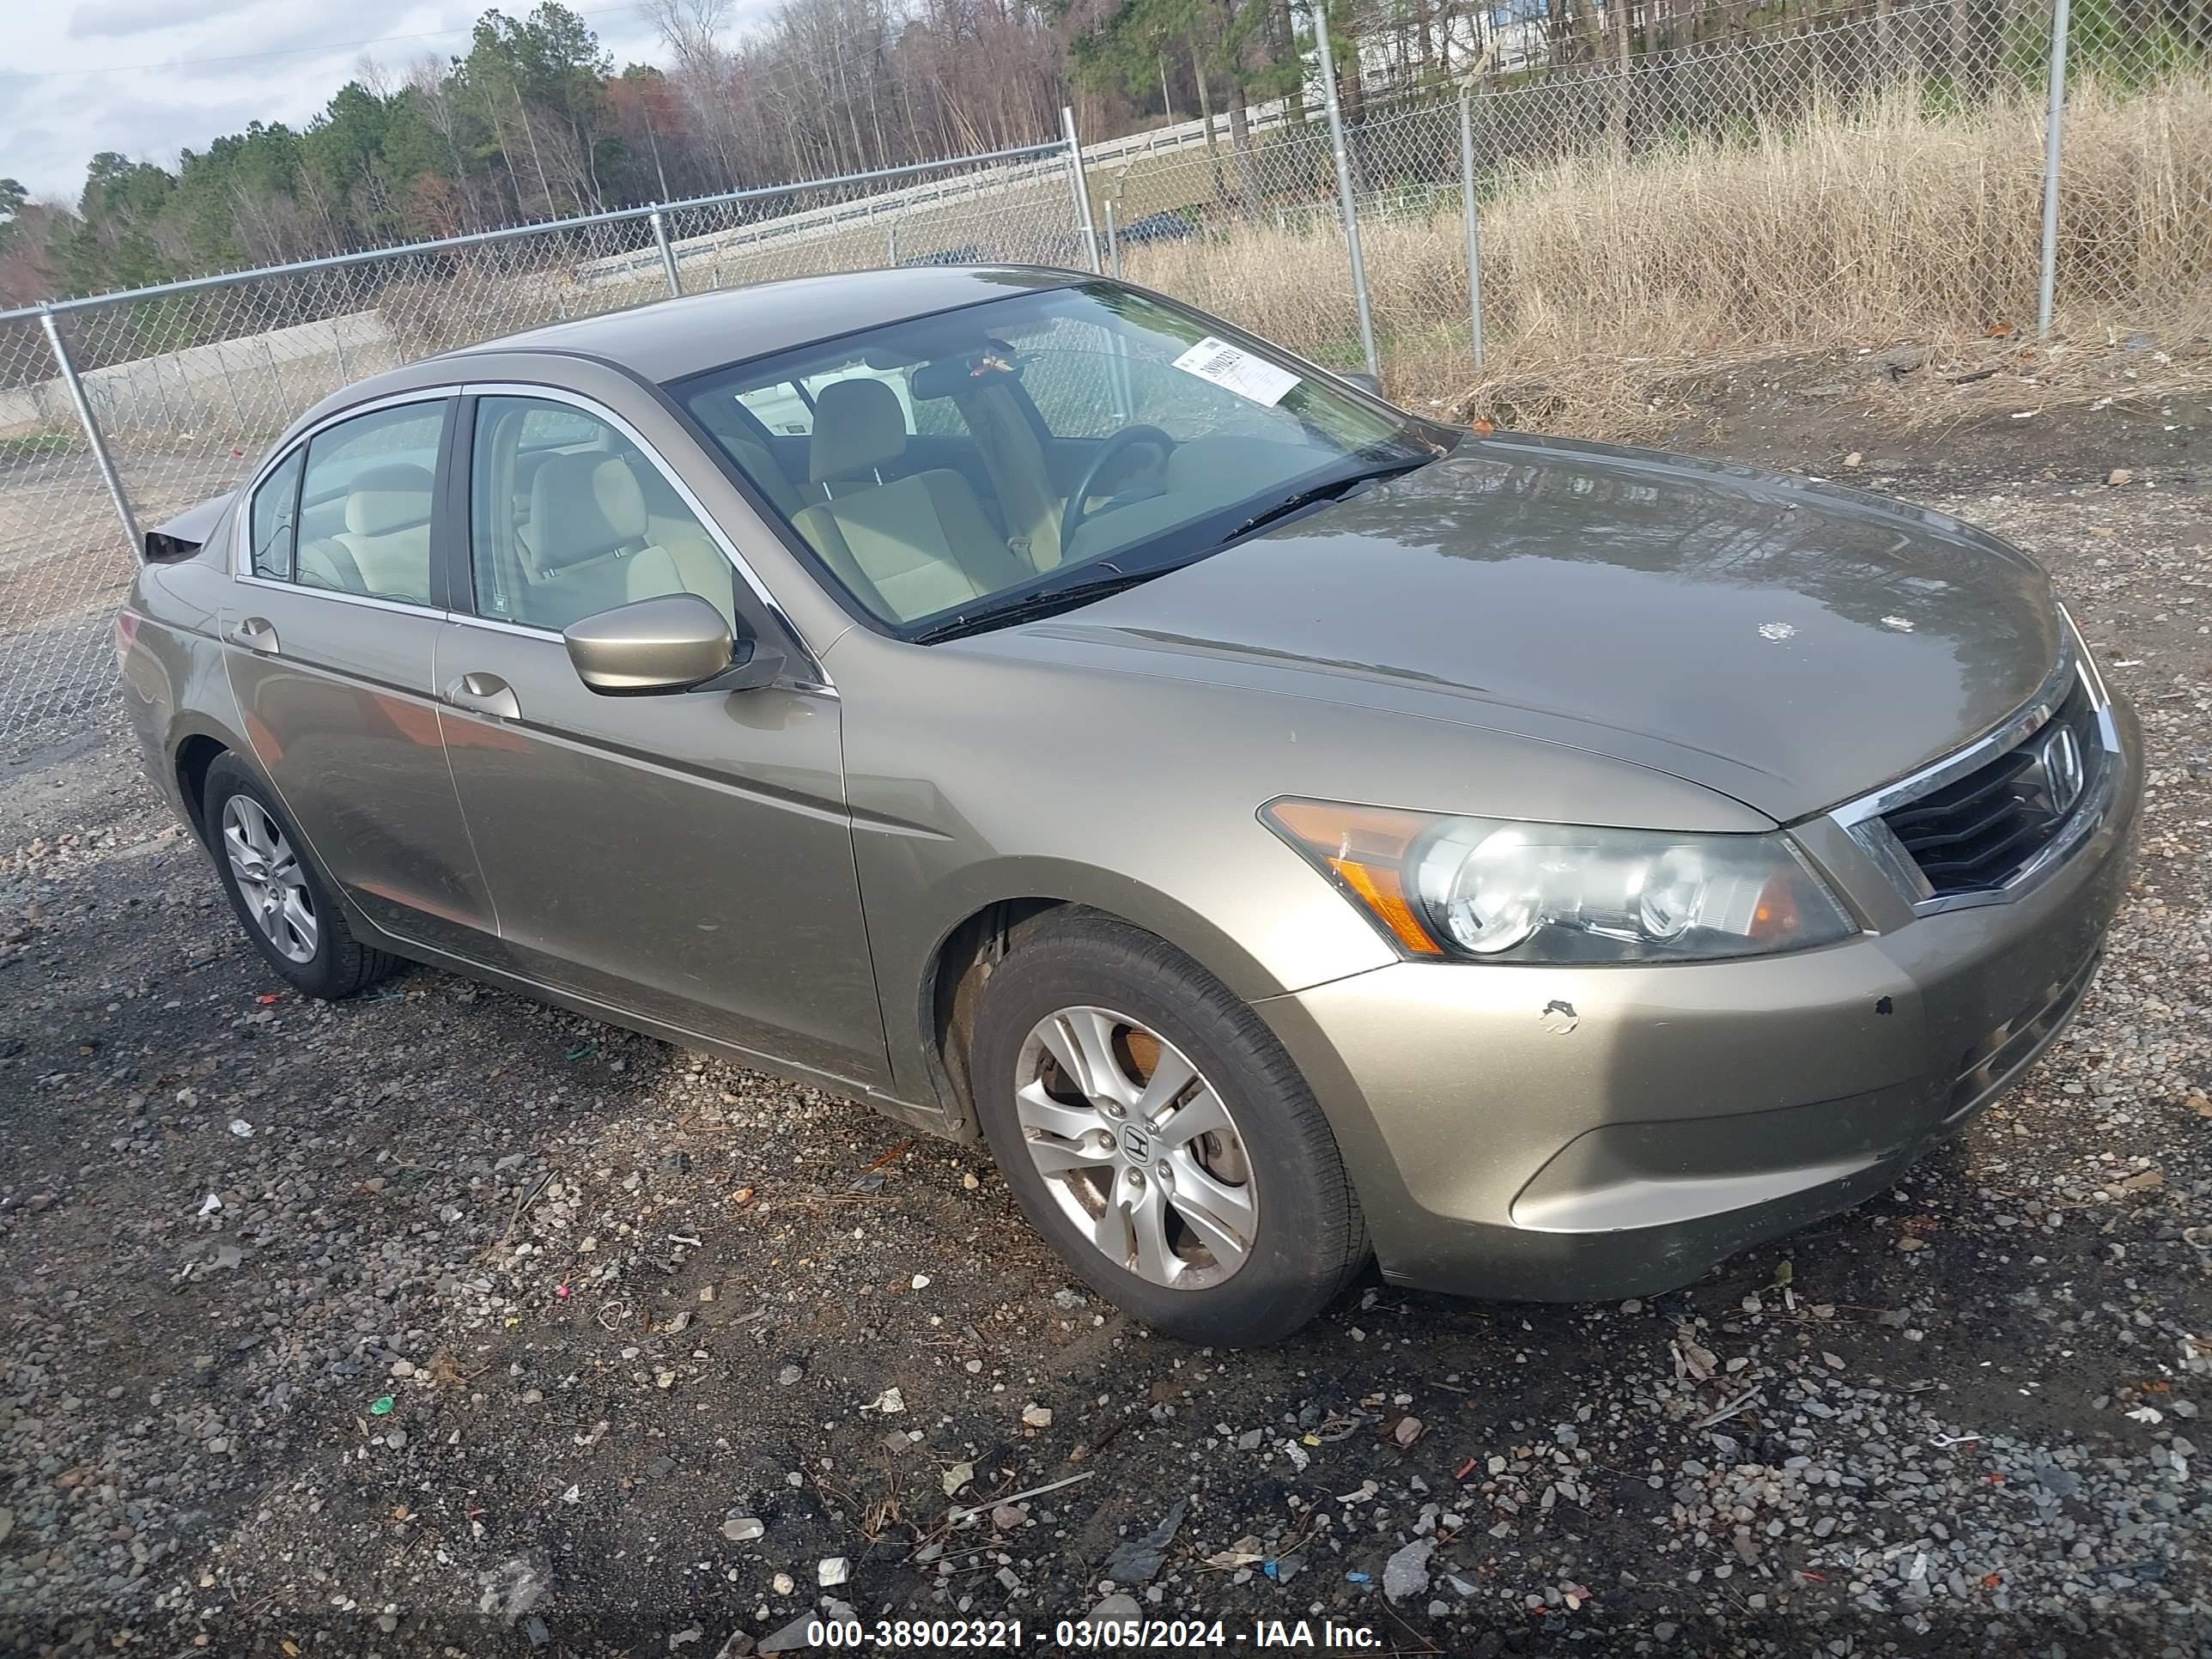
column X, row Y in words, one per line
column 256, row 634
column 485, row 694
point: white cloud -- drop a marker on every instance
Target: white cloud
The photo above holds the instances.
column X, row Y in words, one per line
column 92, row 20
column 149, row 77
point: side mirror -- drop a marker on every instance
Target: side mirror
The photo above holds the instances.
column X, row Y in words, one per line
column 676, row 643
column 1364, row 381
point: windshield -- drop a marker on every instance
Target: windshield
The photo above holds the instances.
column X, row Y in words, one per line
column 957, row 467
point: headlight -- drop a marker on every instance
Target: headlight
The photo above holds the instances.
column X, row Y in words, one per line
column 1491, row 890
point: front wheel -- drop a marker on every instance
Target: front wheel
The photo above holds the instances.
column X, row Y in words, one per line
column 1155, row 1130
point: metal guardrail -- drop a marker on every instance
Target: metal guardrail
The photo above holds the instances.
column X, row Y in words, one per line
column 516, row 233
column 829, row 220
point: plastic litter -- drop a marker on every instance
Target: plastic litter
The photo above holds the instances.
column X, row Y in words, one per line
column 1137, row 1560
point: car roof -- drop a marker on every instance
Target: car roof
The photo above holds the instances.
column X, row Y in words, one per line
column 669, row 339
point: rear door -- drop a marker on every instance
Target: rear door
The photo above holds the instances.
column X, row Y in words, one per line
column 330, row 633
column 685, row 857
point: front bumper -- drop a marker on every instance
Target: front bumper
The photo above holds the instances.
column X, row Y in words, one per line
column 1555, row 1134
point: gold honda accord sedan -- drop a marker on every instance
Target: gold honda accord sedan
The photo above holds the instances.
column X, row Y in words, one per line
column 1289, row 831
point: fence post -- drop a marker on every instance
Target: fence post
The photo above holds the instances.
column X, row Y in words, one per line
column 1474, row 231
column 2046, row 287
column 890, row 243
column 93, row 434
column 1320, row 8
column 660, row 224
column 1081, row 189
column 1113, row 244
column 222, row 370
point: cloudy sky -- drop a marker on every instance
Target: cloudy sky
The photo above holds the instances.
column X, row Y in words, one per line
column 150, row 78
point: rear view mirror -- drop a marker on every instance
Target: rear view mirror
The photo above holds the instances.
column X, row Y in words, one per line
column 676, row 643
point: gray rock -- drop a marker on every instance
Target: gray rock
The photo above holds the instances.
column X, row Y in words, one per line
column 792, row 1637
column 2064, row 1482
column 1406, row 1573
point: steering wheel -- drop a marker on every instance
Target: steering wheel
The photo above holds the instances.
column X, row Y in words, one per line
column 1077, row 510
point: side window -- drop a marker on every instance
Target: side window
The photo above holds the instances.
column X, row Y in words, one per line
column 365, row 503
column 568, row 517
column 274, row 523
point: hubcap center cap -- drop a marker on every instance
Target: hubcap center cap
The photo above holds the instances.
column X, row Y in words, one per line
column 1136, row 1145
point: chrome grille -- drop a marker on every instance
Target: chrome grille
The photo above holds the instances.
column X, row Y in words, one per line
column 1976, row 832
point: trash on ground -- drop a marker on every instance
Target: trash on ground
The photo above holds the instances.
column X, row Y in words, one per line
column 1137, row 1560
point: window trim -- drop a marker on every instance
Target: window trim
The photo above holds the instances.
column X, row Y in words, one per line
column 253, row 504
column 462, row 593
column 241, row 553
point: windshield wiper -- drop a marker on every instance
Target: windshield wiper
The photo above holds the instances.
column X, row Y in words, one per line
column 1042, row 603
column 1328, row 489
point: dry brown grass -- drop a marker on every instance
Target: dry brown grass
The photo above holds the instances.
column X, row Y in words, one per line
column 1605, row 277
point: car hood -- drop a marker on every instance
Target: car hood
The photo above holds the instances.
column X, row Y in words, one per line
column 1787, row 642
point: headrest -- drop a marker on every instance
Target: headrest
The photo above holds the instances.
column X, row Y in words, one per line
column 583, row 507
column 857, row 426
column 394, row 496
column 526, row 463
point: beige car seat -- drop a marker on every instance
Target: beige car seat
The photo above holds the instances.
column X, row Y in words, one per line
column 592, row 545
column 909, row 546
column 761, row 467
column 387, row 534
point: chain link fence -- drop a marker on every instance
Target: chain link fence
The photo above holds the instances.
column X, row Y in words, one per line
column 1640, row 179
column 1673, row 183
column 186, row 387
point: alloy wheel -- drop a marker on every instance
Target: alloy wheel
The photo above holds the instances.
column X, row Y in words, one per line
column 1138, row 1148
column 269, row 879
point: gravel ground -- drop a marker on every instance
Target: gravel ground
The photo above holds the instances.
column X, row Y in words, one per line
column 443, row 1322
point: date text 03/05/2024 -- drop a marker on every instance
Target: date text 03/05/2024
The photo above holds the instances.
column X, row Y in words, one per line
column 1087, row 1635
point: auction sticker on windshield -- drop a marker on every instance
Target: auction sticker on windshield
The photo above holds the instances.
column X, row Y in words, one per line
column 1238, row 370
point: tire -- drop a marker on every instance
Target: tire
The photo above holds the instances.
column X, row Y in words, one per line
column 312, row 949
column 1105, row 994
